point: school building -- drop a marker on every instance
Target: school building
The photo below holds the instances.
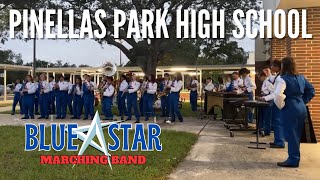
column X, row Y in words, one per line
column 306, row 52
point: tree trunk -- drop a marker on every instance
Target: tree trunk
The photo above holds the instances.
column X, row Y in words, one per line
column 149, row 66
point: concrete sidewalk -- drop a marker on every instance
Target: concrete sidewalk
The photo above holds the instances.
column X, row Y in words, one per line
column 218, row 156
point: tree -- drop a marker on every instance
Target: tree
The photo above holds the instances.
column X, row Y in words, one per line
column 84, row 65
column 147, row 53
column 225, row 53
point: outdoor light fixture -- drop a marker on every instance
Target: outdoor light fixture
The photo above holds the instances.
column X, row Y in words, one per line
column 179, row 69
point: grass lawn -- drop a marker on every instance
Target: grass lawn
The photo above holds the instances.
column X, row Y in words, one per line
column 185, row 110
column 5, row 104
column 15, row 163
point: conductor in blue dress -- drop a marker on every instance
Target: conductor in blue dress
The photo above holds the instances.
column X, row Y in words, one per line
column 292, row 95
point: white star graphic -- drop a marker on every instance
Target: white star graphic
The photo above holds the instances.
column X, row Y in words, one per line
column 94, row 129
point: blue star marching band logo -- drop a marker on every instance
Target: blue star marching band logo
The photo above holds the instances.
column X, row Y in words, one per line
column 95, row 129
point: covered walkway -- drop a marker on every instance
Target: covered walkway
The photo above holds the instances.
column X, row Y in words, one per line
column 96, row 72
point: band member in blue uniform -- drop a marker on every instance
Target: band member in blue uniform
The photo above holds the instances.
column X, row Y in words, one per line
column 61, row 88
column 236, row 83
column 77, row 98
column 37, row 94
column 165, row 88
column 17, row 97
column 208, row 88
column 88, row 98
column 194, row 85
column 70, row 96
column 249, row 87
column 276, row 121
column 291, row 96
column 174, row 97
column 52, row 98
column 151, row 90
column 266, row 112
column 108, row 92
column 28, row 93
column 44, row 97
column 142, row 93
column 122, row 95
column 101, row 87
column 132, row 98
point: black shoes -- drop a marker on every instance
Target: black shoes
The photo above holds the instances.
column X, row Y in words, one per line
column 286, row 164
column 273, row 145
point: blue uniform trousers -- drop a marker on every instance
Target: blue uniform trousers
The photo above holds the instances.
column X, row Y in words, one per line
column 193, row 100
column 28, row 105
column 44, row 104
column 165, row 105
column 52, row 98
column 77, row 106
column 132, row 101
column 121, row 99
column 102, row 106
column 69, row 103
column 148, row 101
column 277, row 127
column 174, row 106
column 293, row 124
column 36, row 102
column 107, row 107
column 17, row 99
column 250, row 112
column 265, row 118
column 141, row 108
column 61, row 103
column 88, row 102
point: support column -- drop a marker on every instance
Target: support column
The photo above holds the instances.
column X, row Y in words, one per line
column 200, row 80
column 5, row 84
column 54, row 75
column 183, row 80
column 74, row 78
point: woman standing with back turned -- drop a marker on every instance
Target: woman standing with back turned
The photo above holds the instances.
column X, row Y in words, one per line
column 291, row 96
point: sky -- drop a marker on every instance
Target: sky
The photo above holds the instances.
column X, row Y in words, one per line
column 78, row 51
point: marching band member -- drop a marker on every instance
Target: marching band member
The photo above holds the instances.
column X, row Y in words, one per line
column 61, row 88
column 143, row 92
column 276, row 121
column 194, row 93
column 44, row 97
column 151, row 89
column 291, row 96
column 132, row 99
column 236, row 84
column 77, row 98
column 37, row 94
column 250, row 86
column 88, row 98
column 17, row 97
column 70, row 95
column 102, row 84
column 27, row 92
column 266, row 112
column 121, row 97
column 176, row 87
column 208, row 88
column 51, row 95
column 164, row 86
column 108, row 98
